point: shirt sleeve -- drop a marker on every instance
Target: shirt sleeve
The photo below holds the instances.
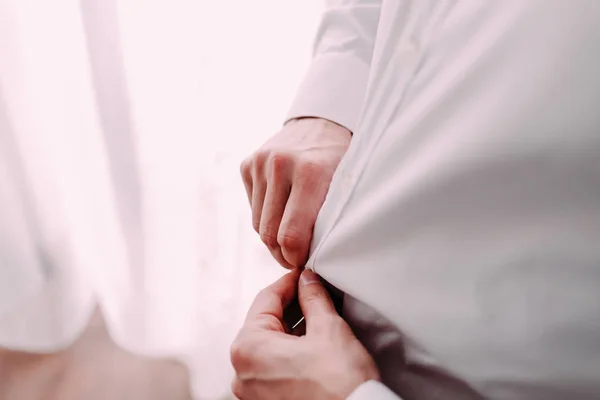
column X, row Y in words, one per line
column 372, row 390
column 334, row 86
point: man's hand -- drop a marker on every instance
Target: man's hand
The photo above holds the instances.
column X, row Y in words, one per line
column 287, row 180
column 328, row 363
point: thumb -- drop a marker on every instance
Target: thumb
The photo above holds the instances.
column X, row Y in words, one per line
column 314, row 300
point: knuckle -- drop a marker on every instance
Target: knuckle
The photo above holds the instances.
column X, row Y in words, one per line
column 314, row 296
column 278, row 159
column 289, row 265
column 336, row 322
column 338, row 326
column 293, row 241
column 265, row 293
column 262, row 295
column 269, row 238
column 240, row 353
column 246, row 167
column 310, row 169
column 237, row 388
column 260, row 157
column 266, row 296
column 268, row 322
column 332, row 324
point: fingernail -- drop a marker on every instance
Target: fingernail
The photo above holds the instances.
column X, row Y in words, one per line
column 308, row 277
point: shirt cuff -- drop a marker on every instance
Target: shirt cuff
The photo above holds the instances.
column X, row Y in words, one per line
column 334, row 89
column 372, row 390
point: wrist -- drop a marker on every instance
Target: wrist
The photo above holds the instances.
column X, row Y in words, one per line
column 355, row 379
column 372, row 390
column 323, row 122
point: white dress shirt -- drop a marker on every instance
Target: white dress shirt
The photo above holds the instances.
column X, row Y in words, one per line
column 467, row 208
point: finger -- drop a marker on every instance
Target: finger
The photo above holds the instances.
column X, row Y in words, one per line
column 246, row 172
column 259, row 186
column 278, row 256
column 266, row 312
column 277, row 193
column 253, row 361
column 237, row 388
column 315, row 301
column 246, row 389
column 305, row 200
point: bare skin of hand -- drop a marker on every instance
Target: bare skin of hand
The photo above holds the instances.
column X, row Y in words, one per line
column 287, row 180
column 328, row 363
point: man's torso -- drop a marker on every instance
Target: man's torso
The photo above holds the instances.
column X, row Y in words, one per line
column 467, row 210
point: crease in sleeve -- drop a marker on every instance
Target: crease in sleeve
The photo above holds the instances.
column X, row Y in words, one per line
column 334, row 89
column 373, row 390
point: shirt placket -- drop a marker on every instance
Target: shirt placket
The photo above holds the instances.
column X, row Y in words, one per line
column 398, row 68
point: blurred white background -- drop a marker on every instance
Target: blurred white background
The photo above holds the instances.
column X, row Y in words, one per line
column 122, row 125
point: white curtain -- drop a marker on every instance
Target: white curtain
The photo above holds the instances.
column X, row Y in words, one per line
column 122, row 124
